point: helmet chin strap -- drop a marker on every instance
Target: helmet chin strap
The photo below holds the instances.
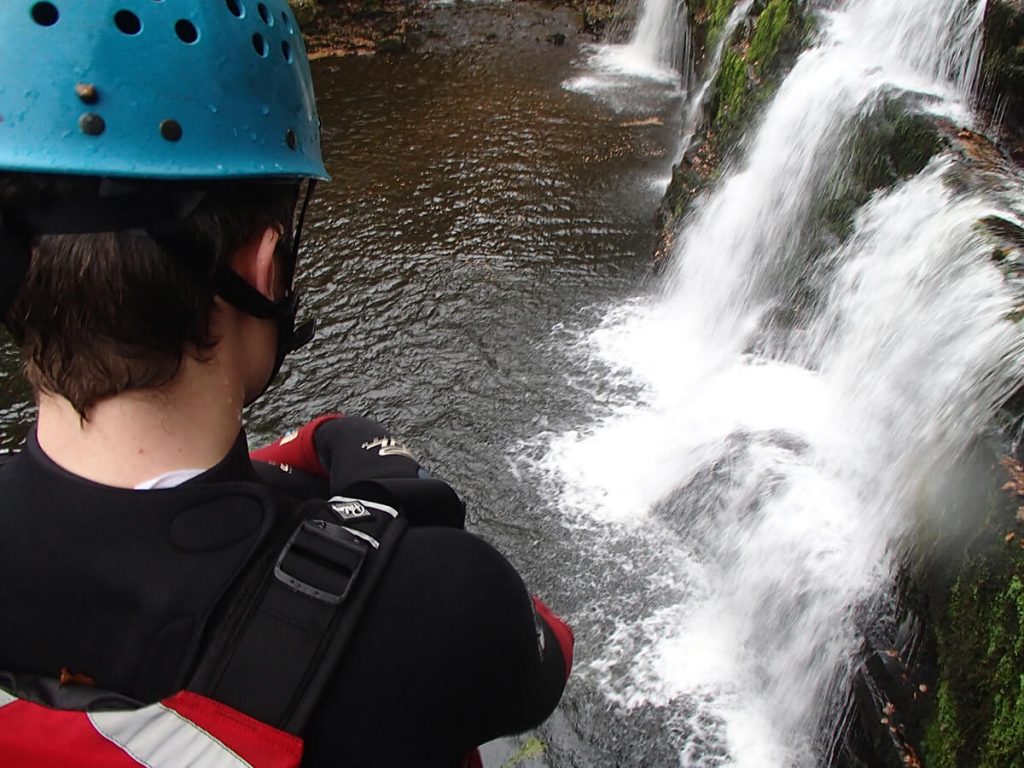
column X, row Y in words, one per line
column 241, row 295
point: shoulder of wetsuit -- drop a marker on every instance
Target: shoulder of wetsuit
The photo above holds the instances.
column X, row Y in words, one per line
column 292, row 483
column 453, row 615
column 7, row 454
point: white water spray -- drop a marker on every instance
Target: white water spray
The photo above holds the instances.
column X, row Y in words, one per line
column 786, row 461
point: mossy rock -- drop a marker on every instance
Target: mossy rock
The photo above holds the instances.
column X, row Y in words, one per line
column 980, row 709
column 892, row 143
column 1002, row 72
column 979, row 630
column 770, row 34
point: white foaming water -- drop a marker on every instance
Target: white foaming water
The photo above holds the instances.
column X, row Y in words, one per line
column 657, row 52
column 786, row 482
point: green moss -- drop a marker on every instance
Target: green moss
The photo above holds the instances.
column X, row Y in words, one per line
column 770, row 25
column 530, row 749
column 1004, row 744
column 718, row 13
column 979, row 717
column 942, row 740
column 730, row 93
column 720, row 10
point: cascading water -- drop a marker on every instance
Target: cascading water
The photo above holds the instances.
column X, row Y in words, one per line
column 755, row 477
column 656, row 42
column 658, row 51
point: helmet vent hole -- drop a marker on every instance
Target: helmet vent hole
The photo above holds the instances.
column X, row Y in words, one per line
column 290, row 140
column 186, row 31
column 287, row 22
column 259, row 44
column 236, row 8
column 127, row 22
column 286, row 49
column 171, row 130
column 45, row 14
column 265, row 15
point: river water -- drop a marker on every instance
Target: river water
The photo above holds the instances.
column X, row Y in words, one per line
column 482, row 214
column 711, row 497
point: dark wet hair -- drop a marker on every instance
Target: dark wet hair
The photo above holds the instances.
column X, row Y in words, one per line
column 101, row 313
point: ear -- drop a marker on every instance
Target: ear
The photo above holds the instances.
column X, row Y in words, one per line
column 255, row 263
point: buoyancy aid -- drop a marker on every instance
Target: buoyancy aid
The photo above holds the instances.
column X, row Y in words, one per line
column 294, row 581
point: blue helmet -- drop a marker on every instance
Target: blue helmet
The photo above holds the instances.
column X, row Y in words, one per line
column 159, row 89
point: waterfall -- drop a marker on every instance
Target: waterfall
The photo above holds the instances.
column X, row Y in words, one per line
column 658, row 50
column 772, row 469
column 657, row 42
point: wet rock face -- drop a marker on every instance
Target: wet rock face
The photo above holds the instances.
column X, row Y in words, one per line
column 1002, row 70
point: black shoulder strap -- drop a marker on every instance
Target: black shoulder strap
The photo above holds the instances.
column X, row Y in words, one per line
column 274, row 653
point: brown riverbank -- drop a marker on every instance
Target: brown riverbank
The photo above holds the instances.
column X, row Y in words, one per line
column 364, row 27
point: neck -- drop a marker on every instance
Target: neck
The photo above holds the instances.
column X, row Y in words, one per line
column 189, row 424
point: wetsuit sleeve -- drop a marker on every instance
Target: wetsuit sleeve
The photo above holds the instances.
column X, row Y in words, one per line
column 297, row 449
column 561, row 632
column 451, row 653
column 342, row 450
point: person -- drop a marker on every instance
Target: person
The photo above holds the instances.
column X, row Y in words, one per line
column 155, row 163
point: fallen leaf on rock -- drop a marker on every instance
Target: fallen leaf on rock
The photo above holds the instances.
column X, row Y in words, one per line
column 1010, row 536
column 1016, row 472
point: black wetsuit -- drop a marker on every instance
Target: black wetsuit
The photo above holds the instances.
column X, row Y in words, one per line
column 123, row 586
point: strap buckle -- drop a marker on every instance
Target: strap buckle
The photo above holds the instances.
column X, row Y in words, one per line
column 321, row 560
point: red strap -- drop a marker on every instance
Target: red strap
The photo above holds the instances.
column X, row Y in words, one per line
column 561, row 631
column 296, row 449
column 472, row 760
